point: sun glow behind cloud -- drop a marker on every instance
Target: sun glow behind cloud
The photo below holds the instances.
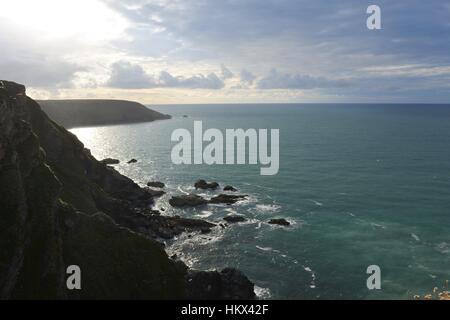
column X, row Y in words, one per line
column 52, row 20
column 226, row 51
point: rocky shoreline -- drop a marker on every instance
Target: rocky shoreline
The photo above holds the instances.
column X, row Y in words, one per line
column 60, row 207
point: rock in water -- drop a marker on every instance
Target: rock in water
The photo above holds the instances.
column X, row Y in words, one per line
column 234, row 218
column 156, row 184
column 202, row 184
column 227, row 198
column 229, row 188
column 190, row 200
column 281, row 222
column 110, row 161
column 132, row 161
column 154, row 193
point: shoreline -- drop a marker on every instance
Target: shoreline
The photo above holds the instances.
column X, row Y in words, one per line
column 102, row 221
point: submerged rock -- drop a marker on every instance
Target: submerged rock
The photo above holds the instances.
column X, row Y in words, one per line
column 234, row 218
column 227, row 198
column 110, row 161
column 202, row 184
column 156, row 184
column 281, row 222
column 190, row 200
column 229, row 188
column 132, row 161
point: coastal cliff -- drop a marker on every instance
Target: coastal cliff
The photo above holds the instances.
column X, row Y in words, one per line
column 92, row 112
column 62, row 207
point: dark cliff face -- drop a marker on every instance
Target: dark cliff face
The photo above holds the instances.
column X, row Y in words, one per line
column 46, row 176
column 59, row 206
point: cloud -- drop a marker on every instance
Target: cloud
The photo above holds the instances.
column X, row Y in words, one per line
column 39, row 72
column 210, row 81
column 226, row 73
column 247, row 77
column 127, row 75
column 276, row 80
column 190, row 38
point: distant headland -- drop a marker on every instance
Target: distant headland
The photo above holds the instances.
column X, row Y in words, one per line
column 85, row 113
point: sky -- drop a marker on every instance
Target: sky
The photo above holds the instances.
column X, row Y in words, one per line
column 228, row 51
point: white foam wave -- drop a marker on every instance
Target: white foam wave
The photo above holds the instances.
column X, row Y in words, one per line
column 376, row 225
column 268, row 207
column 264, row 248
column 443, row 247
column 312, row 284
column 204, row 214
column 263, row 293
column 415, row 236
column 181, row 190
column 317, row 203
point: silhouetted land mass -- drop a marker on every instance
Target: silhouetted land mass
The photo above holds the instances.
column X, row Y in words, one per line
column 85, row 113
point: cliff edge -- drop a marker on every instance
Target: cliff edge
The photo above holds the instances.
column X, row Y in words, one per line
column 61, row 207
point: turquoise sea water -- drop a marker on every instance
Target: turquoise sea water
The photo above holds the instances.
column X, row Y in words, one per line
column 362, row 185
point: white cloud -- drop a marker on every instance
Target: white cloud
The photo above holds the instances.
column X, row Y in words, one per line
column 276, row 80
column 226, row 73
column 129, row 76
column 132, row 76
column 247, row 77
column 180, row 44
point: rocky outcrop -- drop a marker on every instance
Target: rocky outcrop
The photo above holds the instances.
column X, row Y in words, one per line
column 59, row 206
column 227, row 198
column 234, row 218
column 280, row 222
column 110, row 161
column 229, row 284
column 85, row 113
column 156, row 184
column 154, row 193
column 229, row 188
column 202, row 184
column 193, row 200
column 190, row 200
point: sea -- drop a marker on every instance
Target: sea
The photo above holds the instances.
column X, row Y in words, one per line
column 361, row 185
